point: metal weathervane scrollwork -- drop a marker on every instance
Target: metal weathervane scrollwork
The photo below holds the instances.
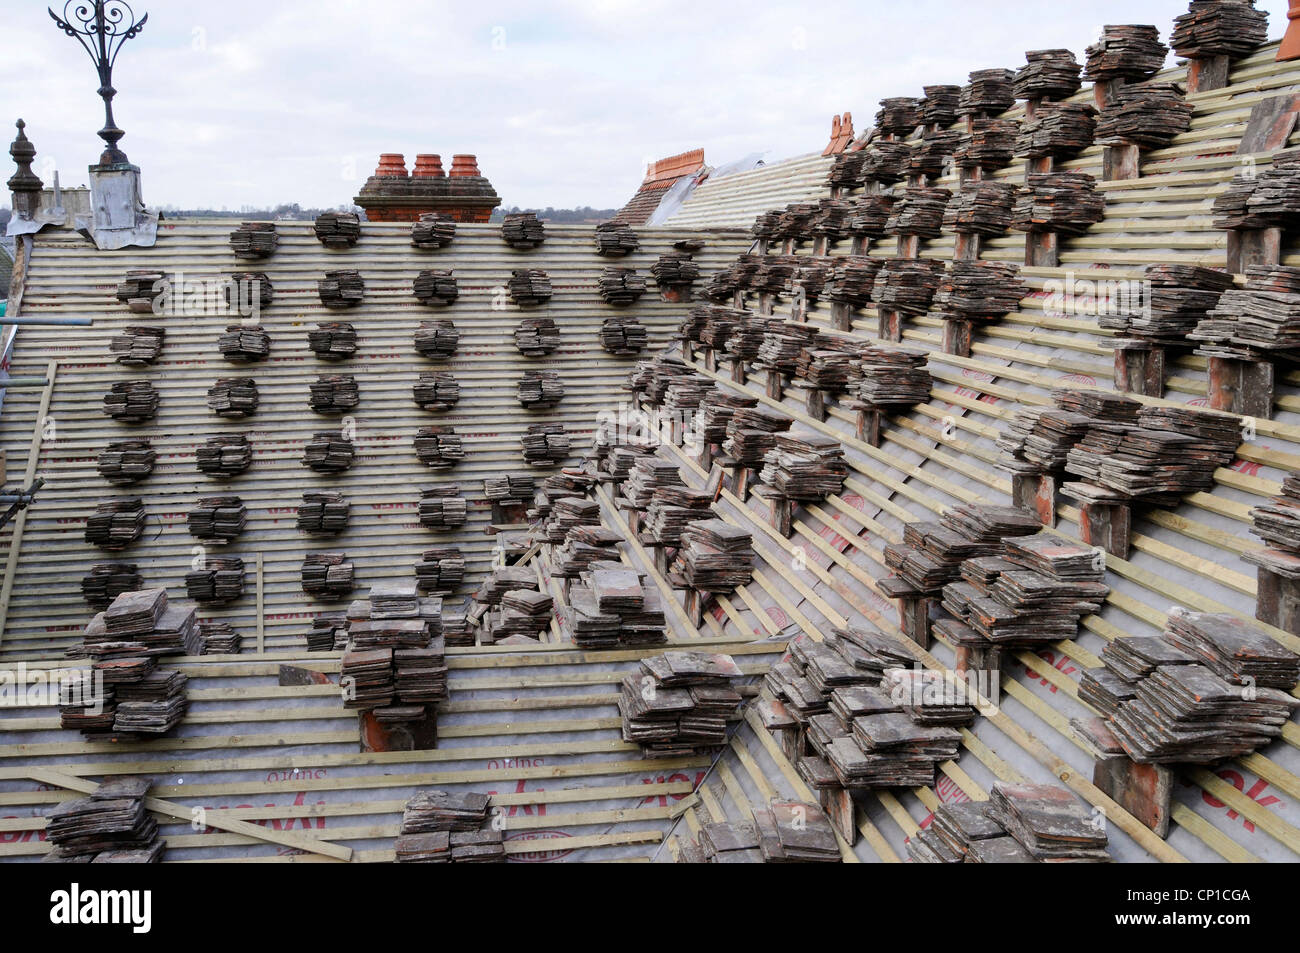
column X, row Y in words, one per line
column 101, row 27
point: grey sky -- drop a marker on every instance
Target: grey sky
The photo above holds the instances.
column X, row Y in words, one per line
column 244, row 103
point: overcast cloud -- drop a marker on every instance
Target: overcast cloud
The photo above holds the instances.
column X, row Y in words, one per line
column 243, row 103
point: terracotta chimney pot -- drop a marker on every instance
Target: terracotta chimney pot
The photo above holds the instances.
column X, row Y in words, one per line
column 428, row 166
column 464, row 165
column 391, row 163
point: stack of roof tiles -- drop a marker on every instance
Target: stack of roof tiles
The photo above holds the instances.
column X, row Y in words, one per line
column 1261, row 319
column 852, row 280
column 433, row 231
column 329, row 451
column 435, row 287
column 437, row 339
column 220, row 580
column 1029, row 591
column 244, row 343
column 1047, row 74
column 939, row 107
column 675, row 270
column 1210, row 687
column 933, row 156
column 893, row 376
column 327, row 576
column 1125, row 52
column 680, row 703
column 1057, row 129
column 442, row 507
column 536, row 337
column 125, row 692
column 1179, row 297
column 138, row 289
column 1018, row 824
column 989, row 145
column 217, row 517
column 333, row 340
column 545, row 444
column 440, row 571
column 1039, row 439
column 981, row 290
column 583, row 546
column 751, row 432
column 328, row 632
column 111, row 826
column 337, row 229
column 124, row 462
column 323, row 513
column 131, row 402
column 715, row 556
column 623, row 336
column 341, row 289
column 1168, row 453
column 615, row 240
column 523, row 230
column 244, row 287
column 440, row 827
column 1219, row 28
column 932, row 551
column 116, row 524
column 886, row 162
column 919, row 212
column 989, row 92
column 106, row 581
column 254, row 240
column 785, row 832
column 614, row 605
column 1149, row 114
column 867, row 724
column 981, row 207
column 620, row 286
column 333, row 394
column 439, row 447
column 220, row 638
column 805, row 466
column 436, row 390
column 136, row 346
column 898, row 115
column 1277, row 522
column 395, row 664
column 233, row 397
column 907, row 285
column 1063, row 202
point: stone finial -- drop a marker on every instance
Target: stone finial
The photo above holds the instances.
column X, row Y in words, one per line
column 24, row 183
column 23, row 152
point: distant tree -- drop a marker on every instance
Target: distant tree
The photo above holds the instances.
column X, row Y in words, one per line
column 559, row 216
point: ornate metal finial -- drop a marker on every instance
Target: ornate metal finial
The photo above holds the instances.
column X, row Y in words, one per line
column 24, row 183
column 101, row 27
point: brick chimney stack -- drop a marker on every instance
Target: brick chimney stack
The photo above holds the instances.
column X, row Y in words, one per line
column 391, row 195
